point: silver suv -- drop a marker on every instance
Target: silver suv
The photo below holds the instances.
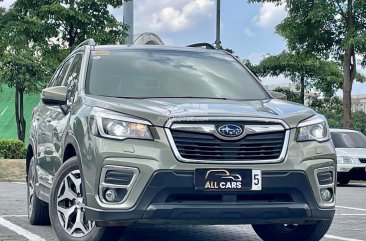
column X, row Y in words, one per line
column 153, row 134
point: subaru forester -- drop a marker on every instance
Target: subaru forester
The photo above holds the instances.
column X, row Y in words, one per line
column 176, row 135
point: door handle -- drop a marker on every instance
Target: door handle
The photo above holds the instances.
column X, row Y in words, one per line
column 48, row 119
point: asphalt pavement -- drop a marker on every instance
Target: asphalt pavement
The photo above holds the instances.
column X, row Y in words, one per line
column 349, row 223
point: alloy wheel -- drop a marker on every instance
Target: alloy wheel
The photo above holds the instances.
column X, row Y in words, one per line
column 71, row 207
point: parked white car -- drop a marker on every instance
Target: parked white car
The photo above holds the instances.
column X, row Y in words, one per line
column 350, row 146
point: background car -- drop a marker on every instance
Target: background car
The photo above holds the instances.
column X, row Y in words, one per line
column 350, row 146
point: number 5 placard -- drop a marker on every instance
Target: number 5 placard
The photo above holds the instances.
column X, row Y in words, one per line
column 256, row 180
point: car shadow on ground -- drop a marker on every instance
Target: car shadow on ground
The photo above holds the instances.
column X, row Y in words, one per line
column 358, row 185
column 192, row 233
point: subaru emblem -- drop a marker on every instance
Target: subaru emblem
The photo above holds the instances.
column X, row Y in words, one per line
column 230, row 130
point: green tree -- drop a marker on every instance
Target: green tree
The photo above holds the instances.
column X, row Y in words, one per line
column 330, row 107
column 24, row 71
column 69, row 22
column 359, row 123
column 291, row 95
column 20, row 60
column 36, row 35
column 328, row 28
column 250, row 66
column 303, row 69
column 327, row 104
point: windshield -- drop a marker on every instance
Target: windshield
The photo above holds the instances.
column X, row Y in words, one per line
column 348, row 140
column 170, row 74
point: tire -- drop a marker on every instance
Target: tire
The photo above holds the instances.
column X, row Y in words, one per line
column 67, row 206
column 344, row 180
column 305, row 232
column 37, row 209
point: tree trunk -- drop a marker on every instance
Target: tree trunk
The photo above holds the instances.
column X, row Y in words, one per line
column 302, row 89
column 349, row 75
column 349, row 66
column 71, row 32
column 19, row 112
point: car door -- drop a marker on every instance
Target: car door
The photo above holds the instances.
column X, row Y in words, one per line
column 48, row 151
column 71, row 83
column 33, row 133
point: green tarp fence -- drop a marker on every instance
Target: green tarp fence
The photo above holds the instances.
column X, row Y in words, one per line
column 8, row 128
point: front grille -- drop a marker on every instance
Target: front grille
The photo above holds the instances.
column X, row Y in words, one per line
column 253, row 147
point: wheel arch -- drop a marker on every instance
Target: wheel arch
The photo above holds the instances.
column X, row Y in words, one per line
column 72, row 149
column 69, row 152
column 30, row 153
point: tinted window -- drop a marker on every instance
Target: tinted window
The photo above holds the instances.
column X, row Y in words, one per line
column 348, row 140
column 172, row 74
column 72, row 78
column 61, row 75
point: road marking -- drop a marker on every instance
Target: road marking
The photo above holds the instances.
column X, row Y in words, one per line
column 341, row 238
column 351, row 214
column 351, row 208
column 21, row 183
column 19, row 230
column 4, row 111
column 358, row 184
column 14, row 216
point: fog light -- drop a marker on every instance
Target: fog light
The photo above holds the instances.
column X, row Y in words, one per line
column 326, row 194
column 110, row 195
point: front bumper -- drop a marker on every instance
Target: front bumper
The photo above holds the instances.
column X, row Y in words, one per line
column 170, row 197
column 352, row 172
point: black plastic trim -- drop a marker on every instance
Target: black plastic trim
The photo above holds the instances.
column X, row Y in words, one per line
column 153, row 206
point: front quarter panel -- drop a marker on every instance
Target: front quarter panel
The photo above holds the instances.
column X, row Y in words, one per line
column 79, row 136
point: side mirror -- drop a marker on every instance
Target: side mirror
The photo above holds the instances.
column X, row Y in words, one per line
column 54, row 95
column 277, row 95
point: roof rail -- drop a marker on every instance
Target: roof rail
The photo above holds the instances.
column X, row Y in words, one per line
column 202, row 45
column 84, row 43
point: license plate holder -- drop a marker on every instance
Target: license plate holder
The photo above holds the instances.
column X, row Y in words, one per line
column 227, row 179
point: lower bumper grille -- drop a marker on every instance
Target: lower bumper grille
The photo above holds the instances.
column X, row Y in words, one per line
column 237, row 198
column 362, row 160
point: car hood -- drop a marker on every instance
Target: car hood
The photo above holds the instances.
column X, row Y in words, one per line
column 159, row 111
column 352, row 152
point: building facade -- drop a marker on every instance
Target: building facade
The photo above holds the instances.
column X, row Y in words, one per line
column 359, row 103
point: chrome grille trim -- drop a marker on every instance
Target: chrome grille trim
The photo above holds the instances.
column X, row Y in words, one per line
column 275, row 125
column 211, row 129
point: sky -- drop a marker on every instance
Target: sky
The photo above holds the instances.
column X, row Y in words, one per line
column 248, row 29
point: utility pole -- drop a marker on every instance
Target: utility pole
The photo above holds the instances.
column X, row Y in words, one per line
column 128, row 19
column 218, row 24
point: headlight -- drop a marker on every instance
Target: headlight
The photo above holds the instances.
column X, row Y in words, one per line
column 313, row 129
column 113, row 125
column 347, row 160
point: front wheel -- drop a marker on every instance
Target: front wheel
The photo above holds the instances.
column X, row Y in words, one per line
column 343, row 180
column 292, row 232
column 67, row 209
